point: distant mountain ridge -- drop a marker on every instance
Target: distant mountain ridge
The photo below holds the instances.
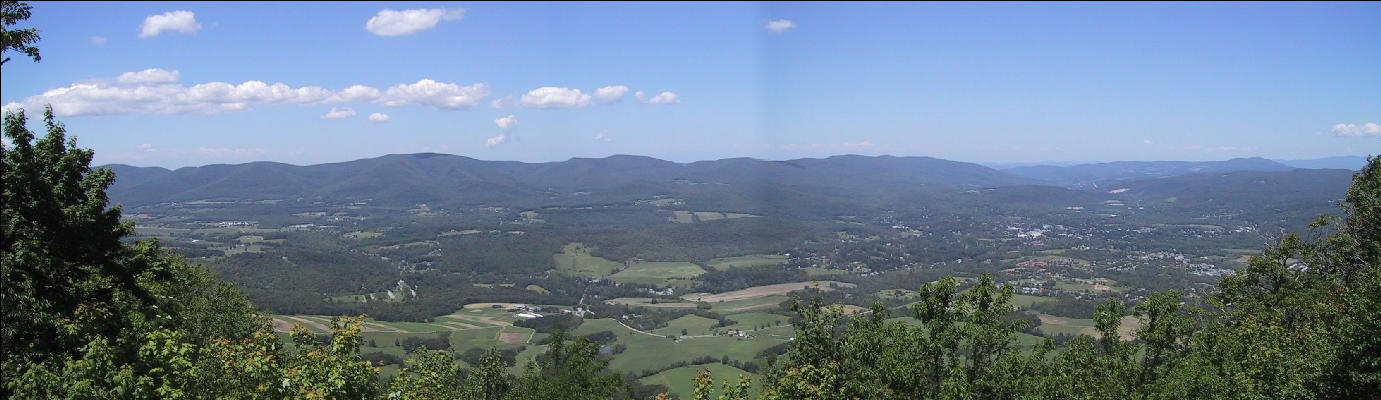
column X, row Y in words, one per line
column 1094, row 176
column 1341, row 162
column 406, row 179
column 443, row 179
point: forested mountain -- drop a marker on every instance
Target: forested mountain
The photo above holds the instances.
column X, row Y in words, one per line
column 409, row 179
column 405, row 180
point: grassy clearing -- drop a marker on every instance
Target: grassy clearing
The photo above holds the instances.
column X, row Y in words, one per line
column 746, row 305
column 1052, row 325
column 361, row 235
column 575, row 260
column 537, row 289
column 752, row 260
column 707, row 216
column 1021, row 300
column 647, row 302
column 682, row 217
column 240, row 248
column 818, row 271
column 1097, row 285
column 693, row 324
column 753, row 320
column 658, row 273
column 647, row 352
column 679, row 380
column 766, row 290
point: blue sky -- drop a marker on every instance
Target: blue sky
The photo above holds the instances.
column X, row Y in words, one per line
column 177, row 84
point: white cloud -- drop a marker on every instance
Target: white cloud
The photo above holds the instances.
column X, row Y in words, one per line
column 610, row 94
column 99, row 98
column 554, row 97
column 378, row 117
column 1370, row 128
column 562, row 97
column 864, row 143
column 506, row 123
column 602, row 137
column 441, row 95
column 181, row 21
column 152, row 92
column 495, row 141
column 357, row 94
column 158, row 91
column 151, row 75
column 397, row 23
column 1147, row 141
column 339, row 112
column 148, row 148
column 779, row 26
column 97, row 40
column 662, row 98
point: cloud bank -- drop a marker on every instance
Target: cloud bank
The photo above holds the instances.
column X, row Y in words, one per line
column 155, row 91
column 159, row 91
column 1367, row 129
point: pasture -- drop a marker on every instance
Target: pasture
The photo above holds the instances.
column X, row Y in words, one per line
column 763, row 291
column 694, row 325
column 659, row 273
column 752, row 260
column 679, row 380
column 575, row 260
column 647, row 302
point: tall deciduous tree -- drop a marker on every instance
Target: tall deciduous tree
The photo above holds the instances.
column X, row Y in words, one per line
column 21, row 40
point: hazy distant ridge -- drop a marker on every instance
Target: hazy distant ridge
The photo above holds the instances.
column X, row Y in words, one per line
column 407, row 179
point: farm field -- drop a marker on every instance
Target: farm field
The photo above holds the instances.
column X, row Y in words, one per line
column 690, row 217
column 669, row 351
column 647, row 302
column 754, row 260
column 1053, row 325
column 682, row 217
column 693, row 324
column 659, row 273
column 1022, row 300
column 1099, row 285
column 679, row 380
column 752, row 320
column 739, row 306
column 762, row 291
column 575, row 260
